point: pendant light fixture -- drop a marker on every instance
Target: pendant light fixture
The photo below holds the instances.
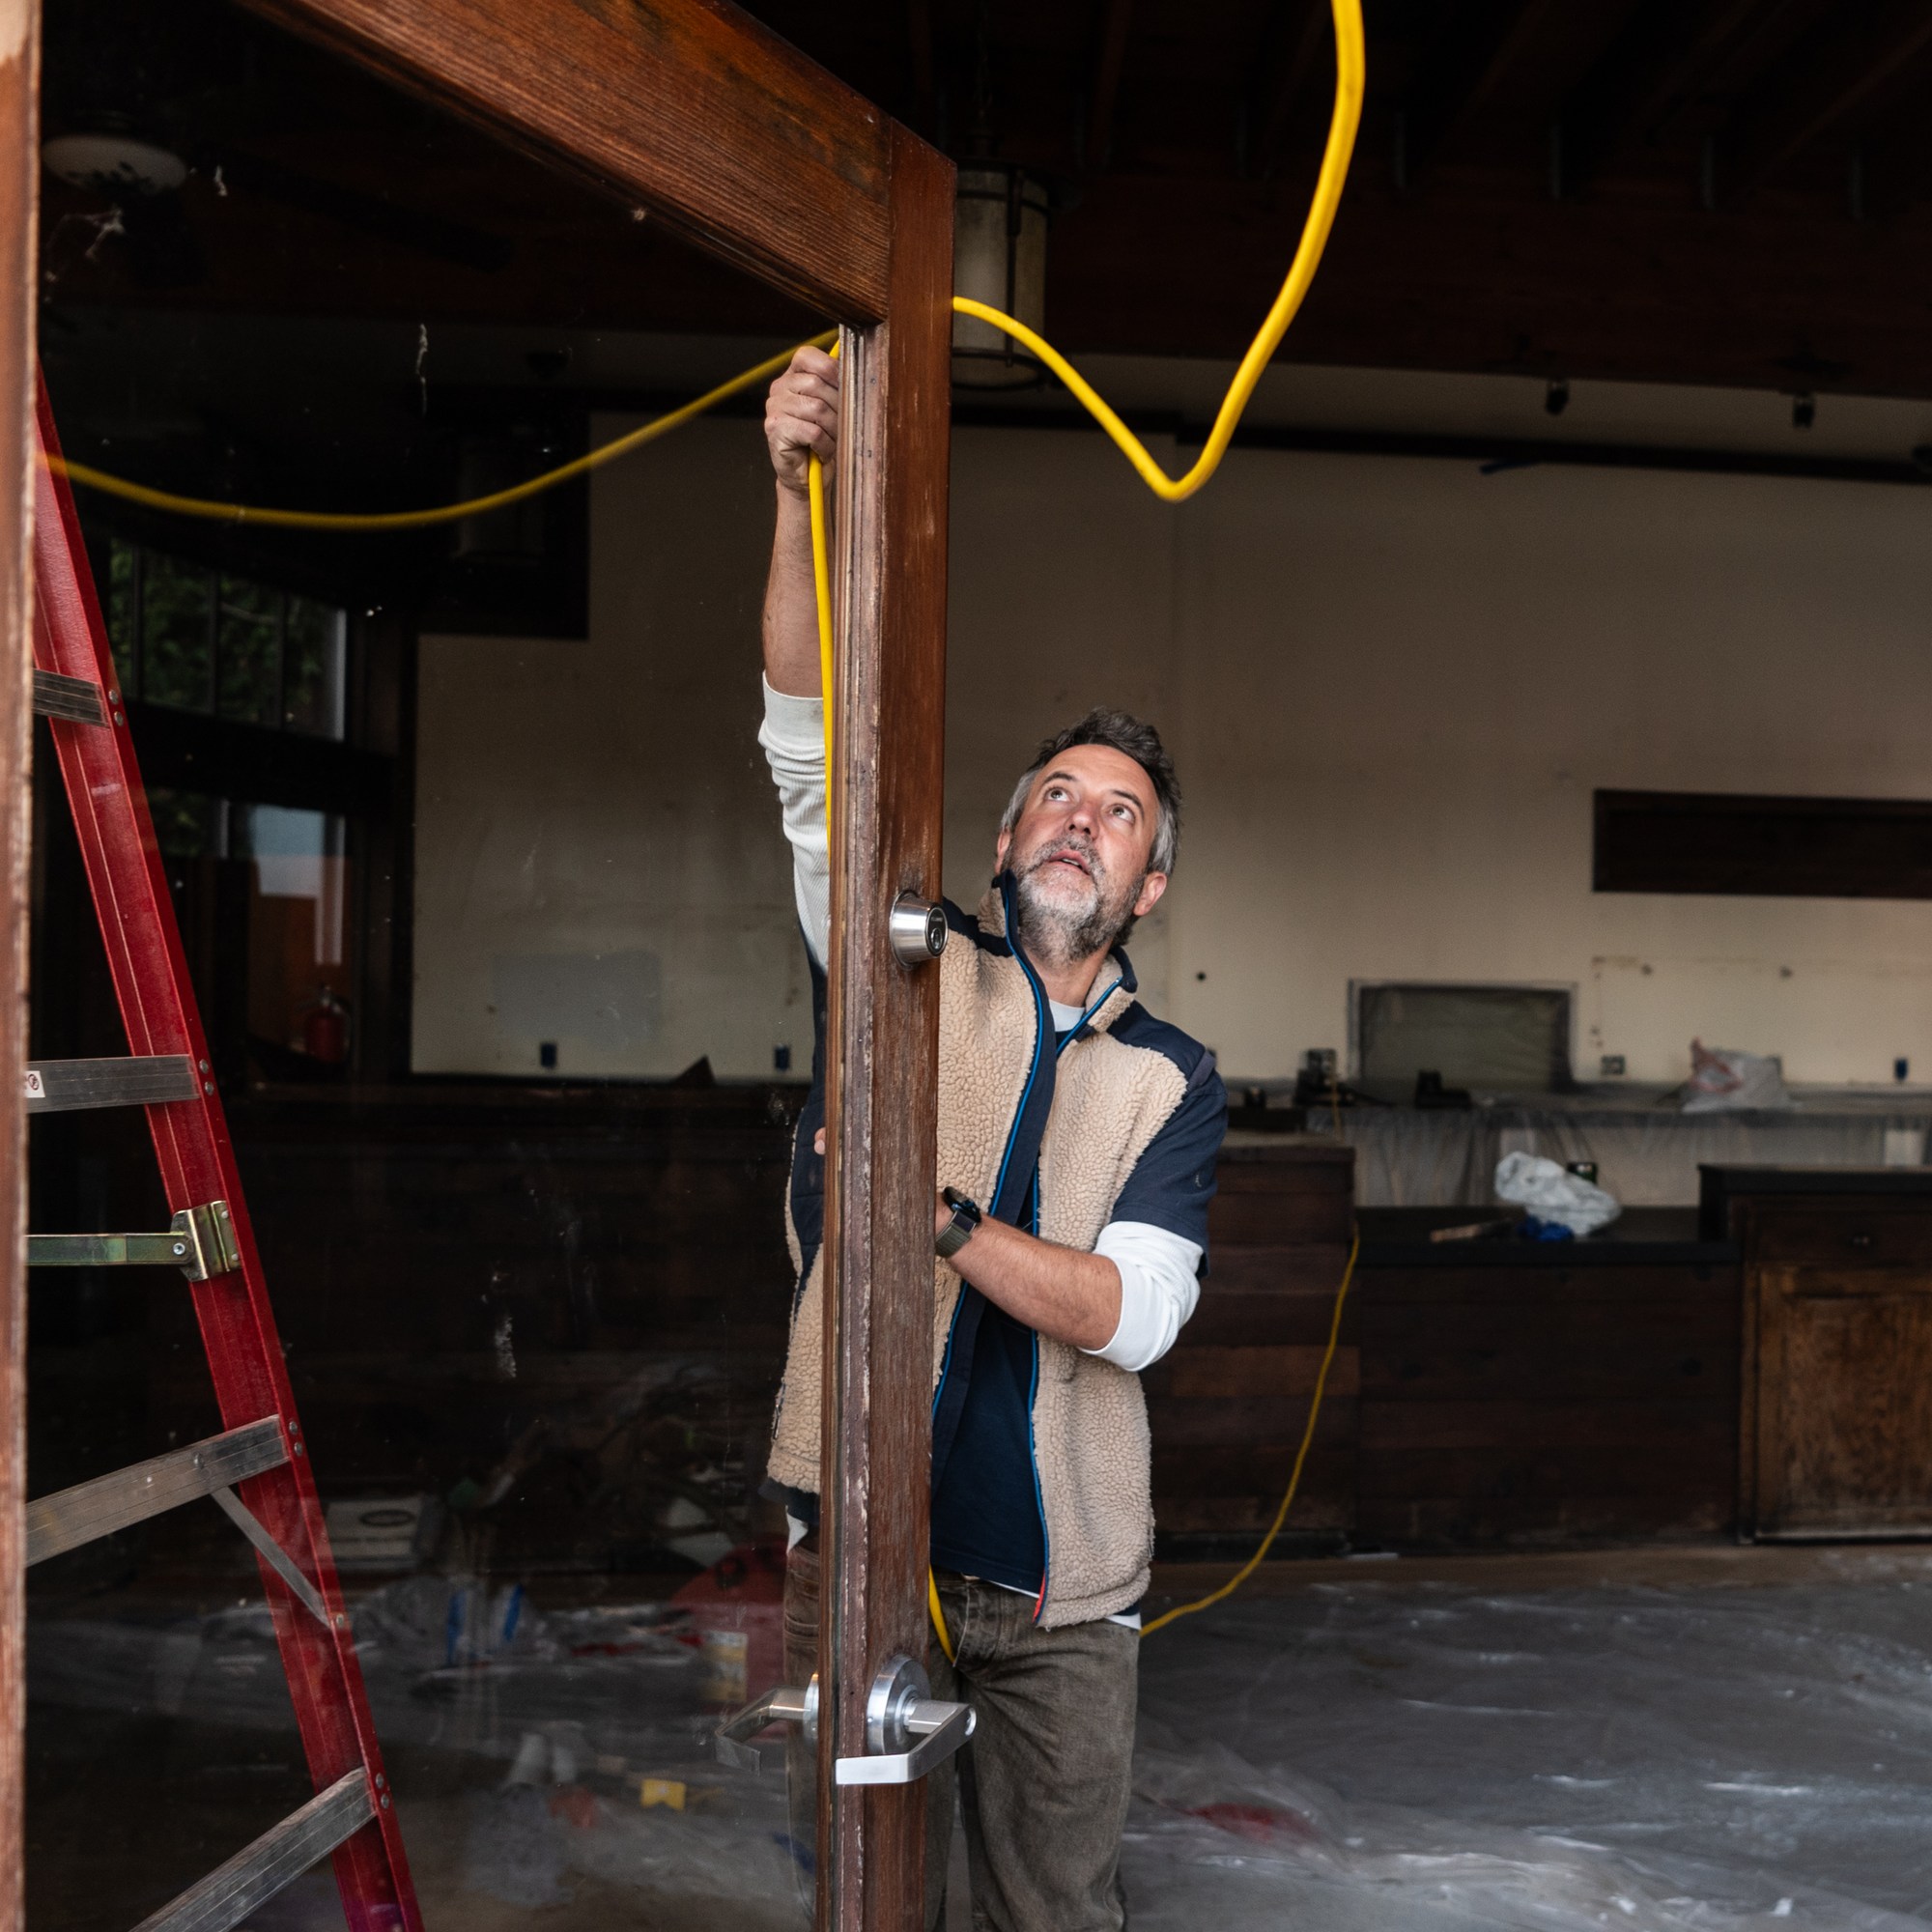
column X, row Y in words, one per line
column 999, row 257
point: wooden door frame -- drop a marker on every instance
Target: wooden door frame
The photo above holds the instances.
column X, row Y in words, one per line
column 704, row 120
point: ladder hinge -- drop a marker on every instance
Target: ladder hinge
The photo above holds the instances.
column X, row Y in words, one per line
column 210, row 1238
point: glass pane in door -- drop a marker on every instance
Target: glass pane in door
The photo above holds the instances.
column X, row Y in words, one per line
column 489, row 914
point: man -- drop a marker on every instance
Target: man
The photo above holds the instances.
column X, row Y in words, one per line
column 1077, row 1143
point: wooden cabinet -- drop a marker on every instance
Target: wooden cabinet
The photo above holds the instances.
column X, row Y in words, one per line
column 1228, row 1404
column 1837, row 1411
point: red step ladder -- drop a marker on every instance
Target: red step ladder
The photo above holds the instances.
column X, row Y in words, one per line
column 257, row 1470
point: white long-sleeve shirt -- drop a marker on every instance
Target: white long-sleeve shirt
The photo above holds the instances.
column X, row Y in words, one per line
column 1158, row 1269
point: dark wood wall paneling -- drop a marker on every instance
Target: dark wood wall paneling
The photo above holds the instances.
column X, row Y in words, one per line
column 1228, row 1404
column 1521, row 1404
column 1478, row 1399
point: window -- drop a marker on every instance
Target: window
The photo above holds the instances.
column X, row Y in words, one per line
column 1501, row 1040
column 263, row 892
column 201, row 640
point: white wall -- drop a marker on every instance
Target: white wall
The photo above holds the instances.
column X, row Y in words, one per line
column 1391, row 686
column 598, row 863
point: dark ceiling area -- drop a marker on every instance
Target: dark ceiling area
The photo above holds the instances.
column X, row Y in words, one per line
column 1727, row 191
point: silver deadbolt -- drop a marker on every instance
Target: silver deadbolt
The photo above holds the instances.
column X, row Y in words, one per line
column 917, row 929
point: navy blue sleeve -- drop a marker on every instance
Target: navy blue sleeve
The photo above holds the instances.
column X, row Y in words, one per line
column 1174, row 1181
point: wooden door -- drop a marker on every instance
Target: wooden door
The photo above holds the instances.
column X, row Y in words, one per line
column 696, row 116
column 1838, row 1410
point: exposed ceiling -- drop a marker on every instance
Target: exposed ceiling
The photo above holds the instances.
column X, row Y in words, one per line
column 1719, row 191
column 1733, row 191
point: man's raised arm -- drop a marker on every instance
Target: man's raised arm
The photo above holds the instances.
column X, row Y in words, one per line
column 801, row 421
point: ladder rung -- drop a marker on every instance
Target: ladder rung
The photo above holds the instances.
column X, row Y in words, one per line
column 200, row 1242
column 77, row 699
column 70, row 1518
column 65, row 1085
column 280, row 1857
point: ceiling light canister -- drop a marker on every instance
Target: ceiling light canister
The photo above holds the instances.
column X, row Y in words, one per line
column 999, row 257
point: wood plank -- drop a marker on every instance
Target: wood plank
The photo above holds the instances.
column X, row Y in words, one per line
column 1459, row 1523
column 1185, row 1472
column 1326, row 1503
column 1824, row 86
column 20, row 178
column 1557, row 1324
column 1225, row 1318
column 882, row 1038
column 1251, row 1370
column 1531, row 1424
column 1310, row 1267
column 1538, row 1286
column 1238, row 1217
column 1295, row 1167
column 1238, row 1421
column 693, row 111
column 1845, row 1234
column 1605, row 1372
column 1553, row 1476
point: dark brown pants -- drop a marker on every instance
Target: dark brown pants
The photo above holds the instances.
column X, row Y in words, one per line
column 1044, row 1783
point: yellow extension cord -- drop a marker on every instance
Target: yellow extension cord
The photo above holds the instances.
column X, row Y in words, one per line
column 1349, row 71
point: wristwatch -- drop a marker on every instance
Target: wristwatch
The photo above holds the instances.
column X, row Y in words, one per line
column 959, row 1231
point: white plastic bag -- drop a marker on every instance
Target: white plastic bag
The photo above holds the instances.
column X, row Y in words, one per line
column 1552, row 1193
column 1723, row 1080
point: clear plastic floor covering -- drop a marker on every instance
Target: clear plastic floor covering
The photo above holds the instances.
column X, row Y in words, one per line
column 1376, row 1754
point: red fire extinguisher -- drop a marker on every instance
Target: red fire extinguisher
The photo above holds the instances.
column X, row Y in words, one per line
column 325, row 1030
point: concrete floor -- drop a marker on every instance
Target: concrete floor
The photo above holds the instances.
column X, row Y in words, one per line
column 1691, row 1739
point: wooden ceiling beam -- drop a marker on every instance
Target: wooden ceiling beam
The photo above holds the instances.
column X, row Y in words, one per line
column 1643, row 80
column 1464, row 73
column 693, row 112
column 1115, row 22
column 1835, row 73
column 1296, row 34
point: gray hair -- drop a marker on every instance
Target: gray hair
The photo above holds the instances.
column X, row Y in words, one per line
column 1141, row 743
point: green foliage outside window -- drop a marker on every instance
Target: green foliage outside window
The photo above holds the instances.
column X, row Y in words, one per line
column 204, row 640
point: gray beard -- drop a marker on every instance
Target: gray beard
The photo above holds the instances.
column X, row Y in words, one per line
column 1059, row 936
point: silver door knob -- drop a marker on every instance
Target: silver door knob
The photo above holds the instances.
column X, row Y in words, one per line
column 908, row 1731
column 786, row 1704
column 918, row 930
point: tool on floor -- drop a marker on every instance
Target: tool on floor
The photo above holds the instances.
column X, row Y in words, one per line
column 257, row 1468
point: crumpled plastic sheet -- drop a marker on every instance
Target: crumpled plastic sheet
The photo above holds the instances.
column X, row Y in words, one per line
column 1406, row 1758
column 1432, row 1758
column 1646, row 1155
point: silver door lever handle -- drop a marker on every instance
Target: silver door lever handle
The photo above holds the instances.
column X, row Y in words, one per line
column 908, row 1731
column 784, row 1704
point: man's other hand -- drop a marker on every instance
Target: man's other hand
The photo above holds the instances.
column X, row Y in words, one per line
column 802, row 417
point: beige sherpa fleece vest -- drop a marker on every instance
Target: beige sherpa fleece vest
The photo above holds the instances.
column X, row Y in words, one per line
column 1090, row 1418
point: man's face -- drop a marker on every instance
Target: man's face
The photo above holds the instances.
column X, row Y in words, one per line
column 1079, row 852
